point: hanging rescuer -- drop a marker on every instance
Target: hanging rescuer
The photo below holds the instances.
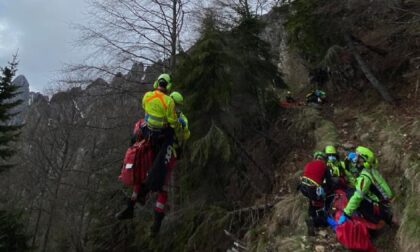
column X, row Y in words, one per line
column 161, row 123
column 158, row 129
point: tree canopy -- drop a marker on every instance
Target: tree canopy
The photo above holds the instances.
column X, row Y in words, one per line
column 8, row 133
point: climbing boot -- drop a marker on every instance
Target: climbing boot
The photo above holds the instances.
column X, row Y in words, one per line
column 127, row 213
column 154, row 229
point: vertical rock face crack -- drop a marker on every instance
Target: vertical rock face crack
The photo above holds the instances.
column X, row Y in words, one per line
column 82, row 115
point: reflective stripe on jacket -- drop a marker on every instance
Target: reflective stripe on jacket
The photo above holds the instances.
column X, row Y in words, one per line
column 159, row 109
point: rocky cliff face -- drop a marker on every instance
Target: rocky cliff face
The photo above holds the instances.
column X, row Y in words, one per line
column 295, row 74
column 23, row 95
column 73, row 144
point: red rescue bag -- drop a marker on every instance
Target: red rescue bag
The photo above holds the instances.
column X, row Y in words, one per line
column 352, row 234
column 137, row 161
column 129, row 171
column 144, row 161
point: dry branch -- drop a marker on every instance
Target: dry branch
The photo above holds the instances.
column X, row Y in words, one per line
column 253, row 208
column 368, row 73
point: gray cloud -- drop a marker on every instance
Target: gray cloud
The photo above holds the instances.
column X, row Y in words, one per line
column 41, row 30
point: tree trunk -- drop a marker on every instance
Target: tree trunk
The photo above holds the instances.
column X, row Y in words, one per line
column 38, row 218
column 52, row 212
column 174, row 34
column 47, row 232
column 56, row 191
column 368, row 73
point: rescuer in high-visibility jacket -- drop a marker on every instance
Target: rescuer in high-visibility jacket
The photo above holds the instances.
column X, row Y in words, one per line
column 161, row 124
column 183, row 133
column 159, row 107
column 336, row 167
column 314, row 184
column 372, row 195
column 159, row 127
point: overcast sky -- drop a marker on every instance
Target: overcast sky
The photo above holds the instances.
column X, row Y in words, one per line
column 41, row 31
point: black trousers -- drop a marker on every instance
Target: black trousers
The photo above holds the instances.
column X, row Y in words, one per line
column 373, row 212
column 317, row 206
column 162, row 145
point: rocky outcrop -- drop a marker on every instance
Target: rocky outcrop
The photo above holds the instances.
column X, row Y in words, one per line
column 295, row 73
column 24, row 96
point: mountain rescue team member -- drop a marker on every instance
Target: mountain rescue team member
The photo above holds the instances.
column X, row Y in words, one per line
column 336, row 167
column 289, row 97
column 317, row 96
column 313, row 187
column 183, row 132
column 350, row 169
column 160, row 123
column 372, row 194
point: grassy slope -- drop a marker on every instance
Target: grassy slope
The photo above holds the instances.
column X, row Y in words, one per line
column 394, row 135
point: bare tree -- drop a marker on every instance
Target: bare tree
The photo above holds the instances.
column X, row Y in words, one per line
column 123, row 32
column 383, row 91
column 234, row 9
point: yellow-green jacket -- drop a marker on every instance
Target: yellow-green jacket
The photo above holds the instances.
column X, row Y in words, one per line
column 368, row 181
column 183, row 133
column 159, row 110
column 335, row 169
column 348, row 172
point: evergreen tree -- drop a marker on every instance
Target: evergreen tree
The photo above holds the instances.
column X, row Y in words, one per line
column 255, row 72
column 205, row 73
column 206, row 81
column 223, row 78
column 8, row 133
column 256, row 69
column 12, row 235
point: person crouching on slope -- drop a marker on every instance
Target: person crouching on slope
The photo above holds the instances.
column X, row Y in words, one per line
column 313, row 187
column 372, row 195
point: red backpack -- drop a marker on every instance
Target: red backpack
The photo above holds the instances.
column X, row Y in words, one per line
column 137, row 160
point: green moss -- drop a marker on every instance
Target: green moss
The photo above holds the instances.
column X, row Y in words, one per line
column 261, row 245
column 415, row 128
column 305, row 120
column 412, row 215
column 390, row 138
column 325, row 134
column 409, row 232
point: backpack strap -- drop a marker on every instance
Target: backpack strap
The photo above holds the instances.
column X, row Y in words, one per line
column 159, row 95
